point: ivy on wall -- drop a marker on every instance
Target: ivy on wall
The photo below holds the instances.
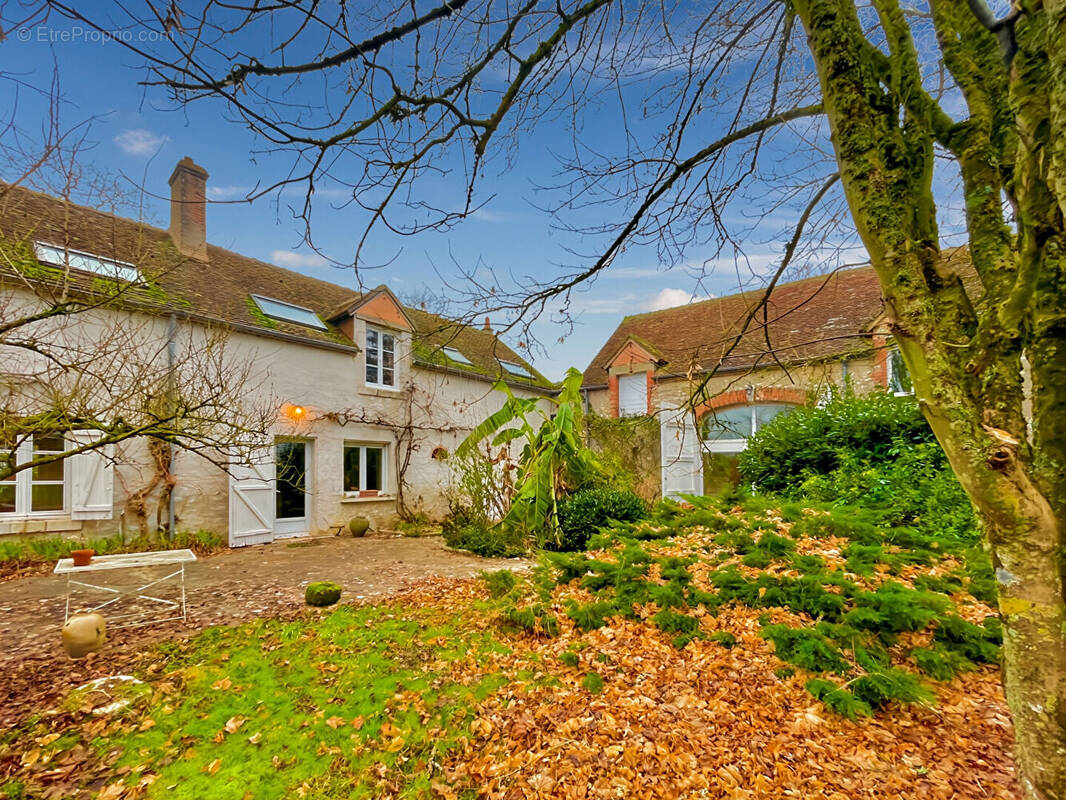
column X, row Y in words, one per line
column 629, row 445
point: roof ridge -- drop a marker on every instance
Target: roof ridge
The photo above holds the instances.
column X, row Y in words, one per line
column 165, row 232
column 743, row 292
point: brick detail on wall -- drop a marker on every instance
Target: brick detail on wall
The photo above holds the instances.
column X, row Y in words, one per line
column 879, row 373
column 651, row 386
column 764, row 394
column 612, row 394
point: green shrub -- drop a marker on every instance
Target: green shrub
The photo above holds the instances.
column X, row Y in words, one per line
column 583, row 512
column 592, row 683
column 774, row 545
column 839, row 700
column 805, row 648
column 669, row 621
column 569, row 658
column 940, row 663
column 491, row 541
column 500, row 582
column 876, row 451
column 590, row 616
column 759, row 559
column 322, row 593
column 810, row 439
column 724, row 638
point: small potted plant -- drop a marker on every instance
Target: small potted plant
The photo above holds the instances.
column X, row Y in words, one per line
column 83, row 557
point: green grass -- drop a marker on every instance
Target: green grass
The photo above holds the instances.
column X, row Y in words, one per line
column 338, row 707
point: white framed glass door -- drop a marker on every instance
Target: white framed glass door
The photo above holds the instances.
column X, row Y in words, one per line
column 292, row 487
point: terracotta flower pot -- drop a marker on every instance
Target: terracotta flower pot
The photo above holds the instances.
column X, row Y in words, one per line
column 82, row 557
column 369, row 493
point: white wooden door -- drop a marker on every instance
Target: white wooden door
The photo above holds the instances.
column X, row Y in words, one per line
column 251, row 500
column 682, row 455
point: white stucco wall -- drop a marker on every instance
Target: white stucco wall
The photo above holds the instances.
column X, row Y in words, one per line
column 339, row 407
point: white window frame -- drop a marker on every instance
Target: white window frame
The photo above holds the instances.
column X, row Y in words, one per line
column 363, row 446
column 890, row 374
column 82, row 261
column 739, row 445
column 379, row 351
column 304, row 317
column 24, row 483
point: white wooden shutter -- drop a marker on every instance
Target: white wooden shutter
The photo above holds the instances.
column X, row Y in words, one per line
column 633, row 394
column 251, row 499
column 682, row 455
column 92, row 478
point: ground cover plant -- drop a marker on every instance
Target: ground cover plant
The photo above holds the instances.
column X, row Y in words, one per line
column 660, row 663
column 870, row 615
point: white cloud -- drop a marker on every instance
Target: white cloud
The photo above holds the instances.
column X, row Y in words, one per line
column 227, row 192
column 140, row 141
column 668, row 298
column 294, row 260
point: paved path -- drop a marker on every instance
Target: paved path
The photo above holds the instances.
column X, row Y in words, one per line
column 227, row 588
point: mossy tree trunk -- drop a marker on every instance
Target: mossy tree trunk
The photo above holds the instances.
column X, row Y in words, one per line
column 988, row 359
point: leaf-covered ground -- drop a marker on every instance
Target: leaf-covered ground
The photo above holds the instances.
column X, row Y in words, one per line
column 700, row 654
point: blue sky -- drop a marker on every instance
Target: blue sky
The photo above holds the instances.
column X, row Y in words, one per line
column 140, row 134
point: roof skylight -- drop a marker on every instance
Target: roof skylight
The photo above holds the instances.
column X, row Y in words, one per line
column 85, row 262
column 516, row 369
column 455, row 355
column 287, row 312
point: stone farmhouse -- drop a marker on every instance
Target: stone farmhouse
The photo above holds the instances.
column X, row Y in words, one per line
column 369, row 395
column 817, row 332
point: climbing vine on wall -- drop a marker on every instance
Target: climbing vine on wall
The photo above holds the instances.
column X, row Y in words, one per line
column 629, row 445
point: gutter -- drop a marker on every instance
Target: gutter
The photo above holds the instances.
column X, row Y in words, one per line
column 480, row 376
column 843, row 355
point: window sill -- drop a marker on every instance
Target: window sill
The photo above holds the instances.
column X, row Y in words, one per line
column 354, row 498
column 373, row 387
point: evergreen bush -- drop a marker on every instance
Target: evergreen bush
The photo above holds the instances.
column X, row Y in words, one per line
column 583, row 512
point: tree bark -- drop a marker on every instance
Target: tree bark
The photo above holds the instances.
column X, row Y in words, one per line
column 988, row 363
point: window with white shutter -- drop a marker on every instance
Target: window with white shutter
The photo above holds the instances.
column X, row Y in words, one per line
column 633, row 395
column 92, row 479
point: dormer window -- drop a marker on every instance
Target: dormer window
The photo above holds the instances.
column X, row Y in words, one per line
column 380, row 358
column 287, row 312
column 57, row 256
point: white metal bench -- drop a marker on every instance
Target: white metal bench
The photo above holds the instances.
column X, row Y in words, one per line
column 177, row 559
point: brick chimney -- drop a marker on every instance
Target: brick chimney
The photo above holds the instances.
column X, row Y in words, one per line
column 188, row 213
column 488, row 325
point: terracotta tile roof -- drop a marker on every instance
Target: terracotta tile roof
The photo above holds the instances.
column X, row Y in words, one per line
column 809, row 319
column 220, row 288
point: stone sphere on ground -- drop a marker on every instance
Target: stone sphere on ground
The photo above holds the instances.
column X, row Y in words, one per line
column 83, row 634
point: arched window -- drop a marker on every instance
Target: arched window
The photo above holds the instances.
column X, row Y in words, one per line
column 726, row 430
